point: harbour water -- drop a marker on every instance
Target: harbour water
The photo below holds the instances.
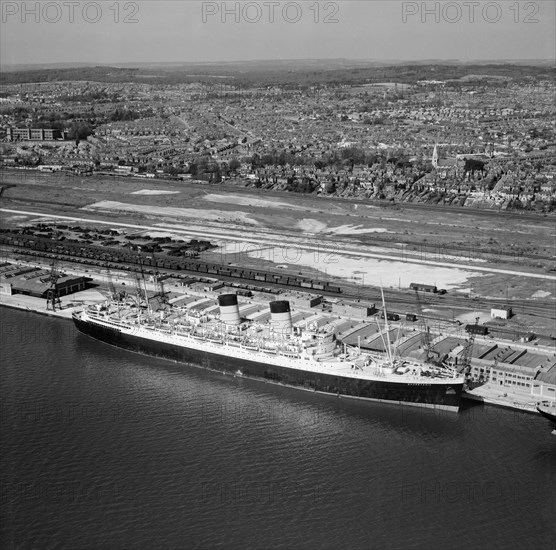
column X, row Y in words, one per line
column 107, row 449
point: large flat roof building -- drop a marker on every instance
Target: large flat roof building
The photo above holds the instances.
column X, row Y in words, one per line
column 32, row 134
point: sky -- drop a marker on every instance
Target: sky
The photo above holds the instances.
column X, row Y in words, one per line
column 119, row 32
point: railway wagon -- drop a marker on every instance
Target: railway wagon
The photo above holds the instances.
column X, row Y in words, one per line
column 481, row 330
column 423, row 288
column 390, row 316
column 244, row 292
column 97, row 255
column 190, row 266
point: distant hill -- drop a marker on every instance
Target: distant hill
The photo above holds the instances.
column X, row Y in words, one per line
column 281, row 72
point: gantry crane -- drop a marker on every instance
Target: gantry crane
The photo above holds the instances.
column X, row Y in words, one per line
column 53, row 293
column 158, row 280
column 139, row 290
column 468, row 350
column 432, row 356
column 111, row 287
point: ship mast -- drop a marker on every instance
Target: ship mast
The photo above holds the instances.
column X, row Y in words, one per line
column 387, row 327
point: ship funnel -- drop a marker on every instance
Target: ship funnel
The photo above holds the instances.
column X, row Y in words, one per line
column 280, row 317
column 229, row 310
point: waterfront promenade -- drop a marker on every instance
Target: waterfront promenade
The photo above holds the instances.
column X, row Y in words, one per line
column 491, row 394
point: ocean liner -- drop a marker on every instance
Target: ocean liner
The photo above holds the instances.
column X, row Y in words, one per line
column 310, row 358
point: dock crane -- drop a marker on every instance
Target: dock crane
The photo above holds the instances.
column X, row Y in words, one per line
column 53, row 293
column 139, row 290
column 116, row 296
column 142, row 292
column 432, row 356
column 111, row 287
column 158, row 280
column 468, row 350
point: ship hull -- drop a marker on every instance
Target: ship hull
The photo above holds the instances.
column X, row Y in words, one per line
column 444, row 396
column 549, row 414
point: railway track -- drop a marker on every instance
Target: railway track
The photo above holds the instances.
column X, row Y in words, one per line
column 176, row 266
column 404, row 299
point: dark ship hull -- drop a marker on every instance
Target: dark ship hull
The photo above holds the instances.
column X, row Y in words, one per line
column 439, row 395
column 547, row 413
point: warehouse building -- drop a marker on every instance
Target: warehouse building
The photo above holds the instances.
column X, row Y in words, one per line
column 544, row 383
column 302, row 300
column 36, row 282
column 354, row 310
column 501, row 312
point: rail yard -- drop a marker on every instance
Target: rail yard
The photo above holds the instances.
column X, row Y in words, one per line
column 73, row 246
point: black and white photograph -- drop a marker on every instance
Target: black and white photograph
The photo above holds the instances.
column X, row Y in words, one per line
column 277, row 275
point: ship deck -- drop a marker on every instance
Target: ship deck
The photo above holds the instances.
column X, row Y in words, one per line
column 354, row 365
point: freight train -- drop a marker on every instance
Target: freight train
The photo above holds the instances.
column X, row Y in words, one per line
column 129, row 260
